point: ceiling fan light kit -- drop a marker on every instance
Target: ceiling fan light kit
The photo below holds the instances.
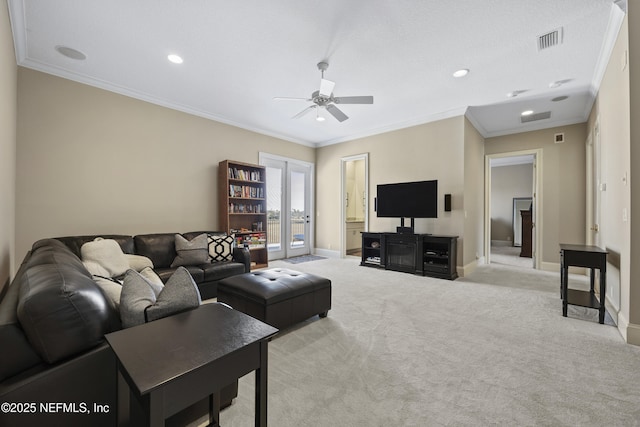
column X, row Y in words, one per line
column 323, row 98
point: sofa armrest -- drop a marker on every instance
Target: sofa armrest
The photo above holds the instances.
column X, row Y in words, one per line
column 242, row 255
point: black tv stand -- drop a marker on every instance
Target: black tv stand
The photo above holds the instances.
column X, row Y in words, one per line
column 423, row 254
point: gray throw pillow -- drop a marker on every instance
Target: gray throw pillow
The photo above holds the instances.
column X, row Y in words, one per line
column 137, row 294
column 180, row 293
column 221, row 247
column 194, row 252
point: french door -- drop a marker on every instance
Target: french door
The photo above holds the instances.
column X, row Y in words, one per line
column 289, row 206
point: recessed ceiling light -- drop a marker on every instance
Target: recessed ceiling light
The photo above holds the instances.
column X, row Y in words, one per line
column 527, row 113
column 320, row 119
column 175, row 59
column 461, row 73
column 71, row 53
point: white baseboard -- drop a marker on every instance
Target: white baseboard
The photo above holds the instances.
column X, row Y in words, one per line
column 555, row 267
column 469, row 268
column 326, row 253
column 629, row 331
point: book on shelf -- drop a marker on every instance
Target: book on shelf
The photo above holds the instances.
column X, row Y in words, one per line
column 245, row 208
column 246, row 191
column 245, row 174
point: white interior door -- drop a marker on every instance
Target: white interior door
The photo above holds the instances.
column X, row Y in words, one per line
column 289, row 206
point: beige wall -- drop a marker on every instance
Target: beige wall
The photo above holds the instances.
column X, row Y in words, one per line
column 618, row 101
column 8, row 112
column 508, row 182
column 91, row 161
column 563, row 185
column 633, row 335
column 430, row 151
column 473, row 208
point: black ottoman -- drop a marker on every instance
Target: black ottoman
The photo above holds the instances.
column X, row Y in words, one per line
column 279, row 296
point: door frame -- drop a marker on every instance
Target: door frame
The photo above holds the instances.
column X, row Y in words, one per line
column 262, row 157
column 537, row 202
column 343, row 197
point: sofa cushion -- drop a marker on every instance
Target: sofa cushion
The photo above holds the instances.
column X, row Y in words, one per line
column 220, row 247
column 75, row 242
column 159, row 248
column 107, row 253
column 61, row 309
column 220, row 270
column 190, row 252
column 196, row 272
column 51, row 251
column 17, row 354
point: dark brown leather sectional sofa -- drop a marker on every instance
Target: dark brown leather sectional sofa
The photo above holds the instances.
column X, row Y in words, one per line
column 54, row 363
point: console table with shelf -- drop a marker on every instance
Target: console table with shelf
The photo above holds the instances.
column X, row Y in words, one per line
column 423, row 254
column 592, row 257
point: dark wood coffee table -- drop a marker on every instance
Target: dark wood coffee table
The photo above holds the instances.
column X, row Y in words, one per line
column 174, row 362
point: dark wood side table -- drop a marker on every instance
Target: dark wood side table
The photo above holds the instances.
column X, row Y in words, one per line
column 586, row 256
column 176, row 361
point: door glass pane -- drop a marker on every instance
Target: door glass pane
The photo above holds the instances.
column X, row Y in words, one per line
column 274, row 206
column 298, row 213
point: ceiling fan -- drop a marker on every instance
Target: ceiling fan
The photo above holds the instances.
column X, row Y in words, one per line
column 323, row 98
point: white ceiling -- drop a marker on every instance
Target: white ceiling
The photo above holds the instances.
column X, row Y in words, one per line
column 239, row 55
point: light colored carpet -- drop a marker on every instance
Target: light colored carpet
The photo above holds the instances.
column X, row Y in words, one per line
column 403, row 350
column 509, row 255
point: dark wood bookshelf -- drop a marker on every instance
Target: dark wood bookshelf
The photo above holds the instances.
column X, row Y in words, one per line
column 242, row 204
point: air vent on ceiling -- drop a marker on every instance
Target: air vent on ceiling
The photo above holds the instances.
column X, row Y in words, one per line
column 550, row 39
column 534, row 117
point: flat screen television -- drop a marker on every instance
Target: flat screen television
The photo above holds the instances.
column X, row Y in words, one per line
column 408, row 200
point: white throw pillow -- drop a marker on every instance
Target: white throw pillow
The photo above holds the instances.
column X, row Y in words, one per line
column 153, row 279
column 111, row 288
column 138, row 262
column 96, row 269
column 107, row 253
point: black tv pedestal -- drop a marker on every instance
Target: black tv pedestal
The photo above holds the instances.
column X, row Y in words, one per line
column 422, row 254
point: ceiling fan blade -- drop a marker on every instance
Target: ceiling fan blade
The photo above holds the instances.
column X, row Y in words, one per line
column 337, row 113
column 354, row 100
column 284, row 98
column 326, row 87
column 305, row 111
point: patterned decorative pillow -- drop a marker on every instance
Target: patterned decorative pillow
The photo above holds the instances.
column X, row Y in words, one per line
column 192, row 252
column 221, row 247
